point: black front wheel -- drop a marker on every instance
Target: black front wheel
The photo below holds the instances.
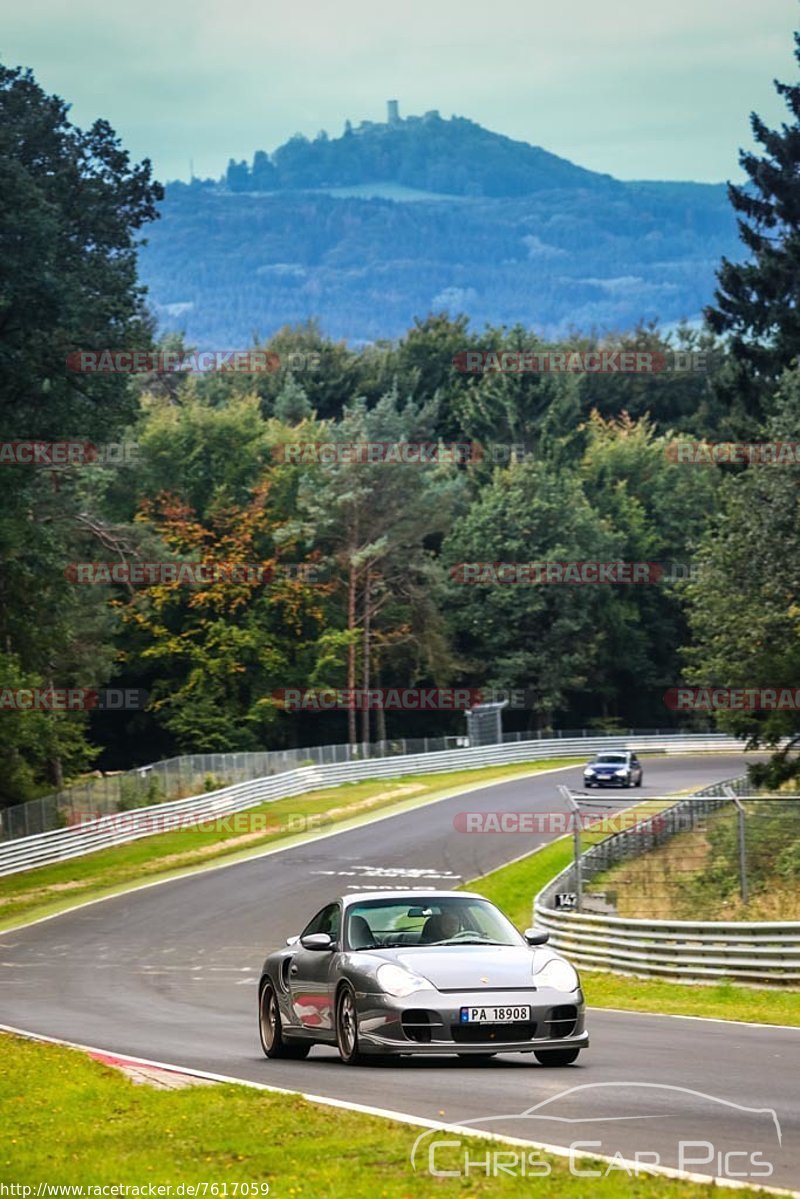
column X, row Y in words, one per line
column 556, row 1057
column 270, row 1028
column 347, row 1027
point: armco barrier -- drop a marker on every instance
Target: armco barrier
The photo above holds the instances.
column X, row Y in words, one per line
column 194, row 774
column 766, row 952
column 60, row 844
column 704, row 950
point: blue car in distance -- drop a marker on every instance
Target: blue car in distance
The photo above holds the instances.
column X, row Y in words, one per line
column 613, row 768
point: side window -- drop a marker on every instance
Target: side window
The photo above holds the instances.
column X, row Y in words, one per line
column 328, row 920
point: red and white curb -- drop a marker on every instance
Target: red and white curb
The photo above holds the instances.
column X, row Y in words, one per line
column 161, row 1077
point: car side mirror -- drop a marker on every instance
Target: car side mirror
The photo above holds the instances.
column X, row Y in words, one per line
column 292, row 940
column 535, row 937
column 317, row 941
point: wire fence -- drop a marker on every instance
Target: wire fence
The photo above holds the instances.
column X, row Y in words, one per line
column 724, row 854
column 703, row 890
column 195, row 774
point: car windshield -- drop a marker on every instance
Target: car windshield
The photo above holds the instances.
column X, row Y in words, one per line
column 460, row 920
column 612, row 759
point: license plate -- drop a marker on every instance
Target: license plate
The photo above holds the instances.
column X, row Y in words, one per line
column 495, row 1015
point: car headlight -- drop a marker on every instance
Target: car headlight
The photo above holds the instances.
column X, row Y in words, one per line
column 397, row 981
column 621, row 772
column 558, row 974
column 589, row 770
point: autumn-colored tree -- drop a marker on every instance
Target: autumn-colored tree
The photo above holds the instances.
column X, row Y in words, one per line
column 221, row 651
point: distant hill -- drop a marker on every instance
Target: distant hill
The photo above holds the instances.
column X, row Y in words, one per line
column 388, row 222
column 456, row 157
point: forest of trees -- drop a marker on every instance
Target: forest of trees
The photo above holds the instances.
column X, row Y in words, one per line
column 203, row 468
column 222, row 266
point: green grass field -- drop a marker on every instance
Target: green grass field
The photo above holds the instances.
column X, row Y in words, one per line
column 70, row 1120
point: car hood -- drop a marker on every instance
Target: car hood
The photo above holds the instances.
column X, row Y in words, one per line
column 607, row 766
column 470, row 967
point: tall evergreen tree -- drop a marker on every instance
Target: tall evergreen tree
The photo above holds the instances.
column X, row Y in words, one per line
column 291, row 404
column 758, row 301
column 71, row 207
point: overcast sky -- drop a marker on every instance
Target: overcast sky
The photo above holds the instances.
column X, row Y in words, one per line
column 642, row 89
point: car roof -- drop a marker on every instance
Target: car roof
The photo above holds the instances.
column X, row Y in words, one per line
column 410, row 897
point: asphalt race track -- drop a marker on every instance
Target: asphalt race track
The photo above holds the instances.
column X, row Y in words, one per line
column 170, row 973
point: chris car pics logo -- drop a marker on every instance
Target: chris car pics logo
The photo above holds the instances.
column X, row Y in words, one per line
column 609, row 1129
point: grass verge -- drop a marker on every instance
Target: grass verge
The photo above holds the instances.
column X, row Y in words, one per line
column 718, row 1001
column 513, row 887
column 50, row 889
column 69, row 1120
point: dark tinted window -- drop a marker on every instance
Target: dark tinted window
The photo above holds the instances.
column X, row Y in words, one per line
column 328, row 920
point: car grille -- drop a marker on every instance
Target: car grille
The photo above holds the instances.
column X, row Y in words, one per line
column 472, row 1034
column 419, row 1025
column 561, row 1021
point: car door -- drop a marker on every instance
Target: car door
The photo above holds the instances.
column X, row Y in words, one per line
column 311, row 970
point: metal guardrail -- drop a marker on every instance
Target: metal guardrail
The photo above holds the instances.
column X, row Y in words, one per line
column 699, row 950
column 195, row 774
column 25, row 853
column 678, row 949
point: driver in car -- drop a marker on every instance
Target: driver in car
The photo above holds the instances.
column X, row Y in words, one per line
column 440, row 928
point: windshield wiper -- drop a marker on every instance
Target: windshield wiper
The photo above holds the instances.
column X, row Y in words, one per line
column 471, row 941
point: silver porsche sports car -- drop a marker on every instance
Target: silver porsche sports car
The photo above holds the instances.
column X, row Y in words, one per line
column 419, row 973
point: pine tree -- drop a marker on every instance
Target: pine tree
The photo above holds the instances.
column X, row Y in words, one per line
column 758, row 301
column 291, row 402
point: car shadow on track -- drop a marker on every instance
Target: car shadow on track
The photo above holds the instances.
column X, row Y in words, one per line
column 328, row 1059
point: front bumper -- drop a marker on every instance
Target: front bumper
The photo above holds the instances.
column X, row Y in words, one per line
column 428, row 1023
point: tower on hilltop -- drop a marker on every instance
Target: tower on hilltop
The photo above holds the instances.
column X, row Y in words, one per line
column 392, row 112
